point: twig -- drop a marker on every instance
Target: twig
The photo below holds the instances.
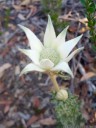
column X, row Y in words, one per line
column 91, row 86
column 9, row 38
column 46, row 82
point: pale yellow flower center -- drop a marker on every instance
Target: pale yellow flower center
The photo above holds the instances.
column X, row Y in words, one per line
column 51, row 54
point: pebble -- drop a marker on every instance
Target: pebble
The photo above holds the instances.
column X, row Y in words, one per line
column 35, row 126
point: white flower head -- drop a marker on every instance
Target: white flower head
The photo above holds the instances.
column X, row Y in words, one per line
column 53, row 55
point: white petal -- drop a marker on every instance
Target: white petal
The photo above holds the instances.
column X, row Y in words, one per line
column 61, row 37
column 63, row 66
column 46, row 64
column 50, row 35
column 68, row 46
column 34, row 42
column 32, row 54
column 31, row 67
column 73, row 53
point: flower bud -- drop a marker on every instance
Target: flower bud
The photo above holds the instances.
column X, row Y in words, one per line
column 62, row 95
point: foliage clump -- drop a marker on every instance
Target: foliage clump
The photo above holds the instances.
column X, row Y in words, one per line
column 68, row 112
column 53, row 8
column 90, row 7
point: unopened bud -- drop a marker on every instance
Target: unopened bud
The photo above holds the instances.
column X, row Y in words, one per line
column 62, row 95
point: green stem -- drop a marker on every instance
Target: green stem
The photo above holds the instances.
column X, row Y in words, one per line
column 53, row 79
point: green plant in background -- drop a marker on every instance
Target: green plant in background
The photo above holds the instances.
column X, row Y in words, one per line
column 53, row 8
column 90, row 7
column 6, row 18
column 1, row 33
column 67, row 112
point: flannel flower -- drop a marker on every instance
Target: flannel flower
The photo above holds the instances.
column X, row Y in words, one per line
column 54, row 55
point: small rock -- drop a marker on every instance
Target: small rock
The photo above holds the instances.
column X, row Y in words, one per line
column 35, row 125
column 24, row 116
column 9, row 123
column 17, row 70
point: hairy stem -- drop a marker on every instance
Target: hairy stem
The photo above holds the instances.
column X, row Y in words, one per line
column 53, row 79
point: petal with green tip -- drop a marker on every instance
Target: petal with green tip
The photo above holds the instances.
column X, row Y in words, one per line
column 63, row 66
column 61, row 37
column 32, row 54
column 34, row 42
column 50, row 35
column 31, row 67
column 46, row 64
column 68, row 46
column 73, row 53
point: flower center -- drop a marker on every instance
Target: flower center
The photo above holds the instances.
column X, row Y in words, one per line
column 51, row 54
